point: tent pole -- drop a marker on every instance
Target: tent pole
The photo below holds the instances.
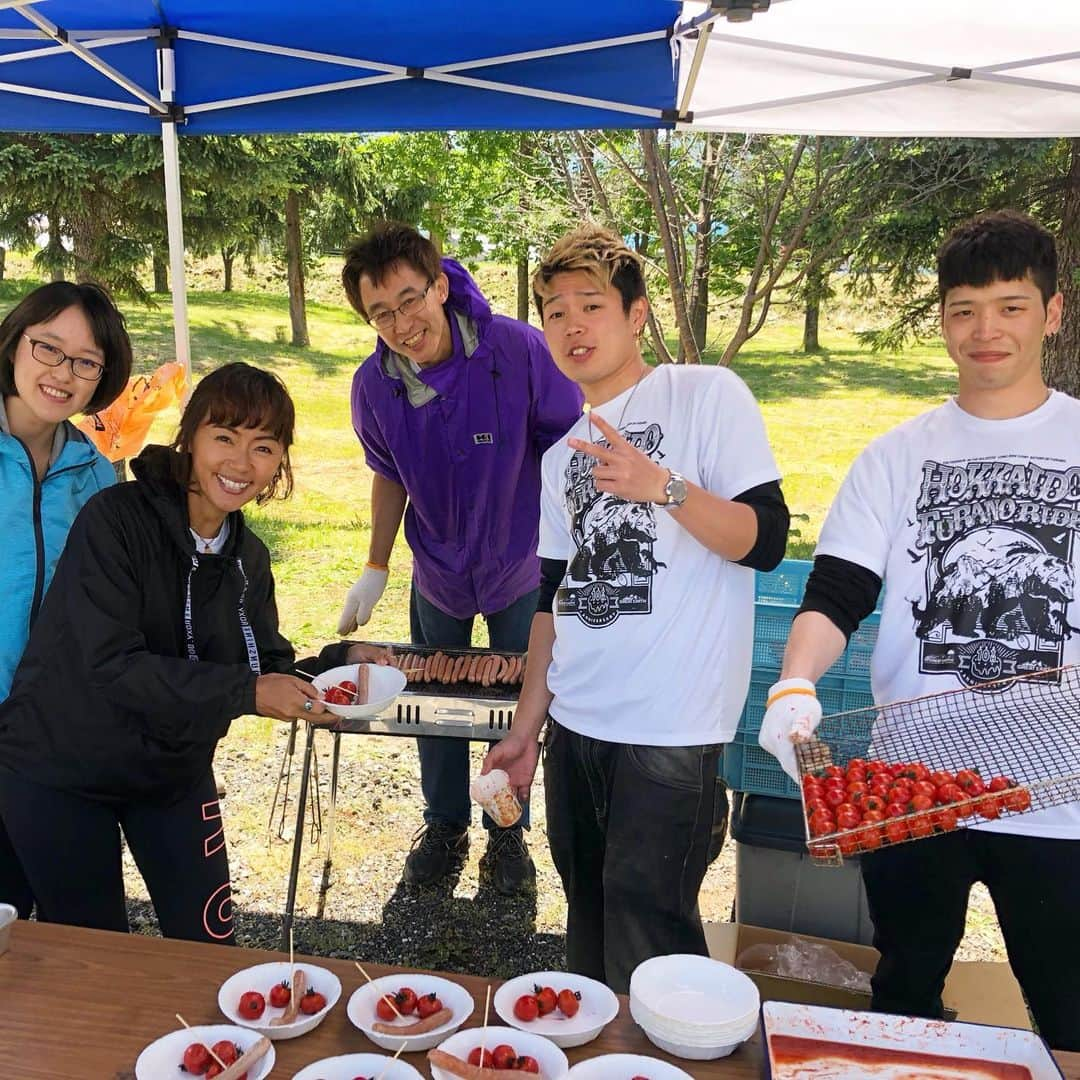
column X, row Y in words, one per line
column 174, row 213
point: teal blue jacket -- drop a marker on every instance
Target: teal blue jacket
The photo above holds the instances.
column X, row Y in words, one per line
column 34, row 521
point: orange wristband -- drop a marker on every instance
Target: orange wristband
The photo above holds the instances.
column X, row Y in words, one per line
column 784, row 693
column 376, row 566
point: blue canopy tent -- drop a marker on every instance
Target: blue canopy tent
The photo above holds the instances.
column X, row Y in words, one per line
column 199, row 67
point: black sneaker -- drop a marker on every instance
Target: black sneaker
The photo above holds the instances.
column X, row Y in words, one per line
column 507, row 861
column 438, row 850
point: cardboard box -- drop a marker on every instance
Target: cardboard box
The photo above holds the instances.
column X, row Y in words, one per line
column 976, row 991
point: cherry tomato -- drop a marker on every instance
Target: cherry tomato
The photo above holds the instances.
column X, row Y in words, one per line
column 880, row 787
column 280, row 995
column 384, row 1010
column 941, row 778
column 822, row 825
column 428, row 1005
column 950, row 793
column 481, row 1057
column 924, row 787
column 989, row 808
column 834, row 771
column 526, row 1007
column 857, row 788
column 251, row 1005
column 999, row 783
column 336, row 696
column 546, row 999
column 896, row 831
column 847, row 817
column 213, row 1069
column 405, row 1000
column 872, row 804
column 848, row 844
column 899, row 792
column 197, row 1059
column 970, row 781
column 527, row 1064
column 503, row 1056
column 226, row 1050
column 856, row 776
column 1017, row 799
column 922, row 826
column 312, row 1002
column 817, row 806
column 569, row 1002
column 946, row 819
column 856, row 763
column 348, row 686
column 920, row 803
column 834, row 796
column 895, row 809
column 869, row 835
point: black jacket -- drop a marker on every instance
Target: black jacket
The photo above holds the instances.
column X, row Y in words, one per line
column 143, row 652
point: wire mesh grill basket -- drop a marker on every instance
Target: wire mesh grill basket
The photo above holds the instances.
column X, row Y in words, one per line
column 1025, row 729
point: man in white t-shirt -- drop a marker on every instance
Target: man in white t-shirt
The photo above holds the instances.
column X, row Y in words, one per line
column 970, row 515
column 655, row 509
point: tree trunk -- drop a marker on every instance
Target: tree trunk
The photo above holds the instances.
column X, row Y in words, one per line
column 295, row 255
column 1061, row 353
column 523, row 290
column 161, row 274
column 227, row 261
column 56, row 249
column 3, row 261
column 810, row 342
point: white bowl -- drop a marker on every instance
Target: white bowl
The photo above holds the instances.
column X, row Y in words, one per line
column 552, row 1061
column 361, row 1009
column 599, row 1006
column 671, row 1029
column 349, row 1066
column 262, row 977
column 163, row 1056
column 695, row 992
column 384, row 684
column 697, row 1050
column 625, row 1067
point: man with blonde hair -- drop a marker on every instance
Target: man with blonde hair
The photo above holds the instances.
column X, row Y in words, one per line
column 655, row 510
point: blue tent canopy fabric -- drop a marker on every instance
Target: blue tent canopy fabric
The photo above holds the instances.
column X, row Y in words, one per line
column 335, row 65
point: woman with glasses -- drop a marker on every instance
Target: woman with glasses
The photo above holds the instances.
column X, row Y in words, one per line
column 63, row 350
column 160, row 629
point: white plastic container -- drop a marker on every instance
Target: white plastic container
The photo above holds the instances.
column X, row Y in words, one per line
column 261, row 978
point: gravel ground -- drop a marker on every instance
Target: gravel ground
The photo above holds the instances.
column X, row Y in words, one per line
column 368, row 912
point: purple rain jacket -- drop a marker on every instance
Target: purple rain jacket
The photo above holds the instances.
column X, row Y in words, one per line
column 465, row 438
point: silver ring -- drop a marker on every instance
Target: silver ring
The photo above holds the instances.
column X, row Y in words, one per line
column 307, row 705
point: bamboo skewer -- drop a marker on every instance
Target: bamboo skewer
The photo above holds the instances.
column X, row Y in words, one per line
column 208, row 1050
column 388, row 998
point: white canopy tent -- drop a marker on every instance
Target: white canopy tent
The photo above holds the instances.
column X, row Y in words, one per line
column 982, row 68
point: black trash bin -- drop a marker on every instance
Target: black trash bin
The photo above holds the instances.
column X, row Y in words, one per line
column 777, row 884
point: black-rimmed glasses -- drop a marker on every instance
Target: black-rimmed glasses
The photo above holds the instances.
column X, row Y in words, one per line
column 386, row 319
column 81, row 366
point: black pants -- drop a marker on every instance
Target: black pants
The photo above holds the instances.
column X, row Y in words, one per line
column 14, row 888
column 631, row 833
column 918, row 898
column 69, row 847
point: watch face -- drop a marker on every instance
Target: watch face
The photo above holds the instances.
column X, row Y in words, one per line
column 676, row 490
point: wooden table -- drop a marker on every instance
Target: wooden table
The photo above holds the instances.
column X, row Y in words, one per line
column 82, row 1004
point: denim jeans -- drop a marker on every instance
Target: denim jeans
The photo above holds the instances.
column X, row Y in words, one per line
column 630, row 829
column 444, row 762
column 918, row 899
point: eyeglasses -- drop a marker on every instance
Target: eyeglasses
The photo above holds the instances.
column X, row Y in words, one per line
column 82, row 366
column 386, row 319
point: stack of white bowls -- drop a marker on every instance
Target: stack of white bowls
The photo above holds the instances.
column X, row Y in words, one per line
column 693, row 1007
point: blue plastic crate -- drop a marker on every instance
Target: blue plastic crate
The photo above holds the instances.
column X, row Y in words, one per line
column 784, row 585
column 772, row 625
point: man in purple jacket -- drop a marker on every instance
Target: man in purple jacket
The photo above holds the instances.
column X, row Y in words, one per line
column 454, row 409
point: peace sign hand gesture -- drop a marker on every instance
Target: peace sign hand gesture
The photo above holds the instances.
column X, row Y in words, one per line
column 622, row 469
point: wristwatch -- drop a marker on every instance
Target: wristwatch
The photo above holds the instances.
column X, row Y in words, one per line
column 675, row 490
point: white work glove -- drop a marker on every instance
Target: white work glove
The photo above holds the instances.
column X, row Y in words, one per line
column 361, row 599
column 791, row 715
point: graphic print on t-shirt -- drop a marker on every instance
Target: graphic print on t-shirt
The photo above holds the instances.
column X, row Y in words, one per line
column 611, row 573
column 997, row 538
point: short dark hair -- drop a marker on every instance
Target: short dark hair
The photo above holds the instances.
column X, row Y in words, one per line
column 241, row 396
column 377, row 253
column 106, row 324
column 598, row 252
column 1000, row 245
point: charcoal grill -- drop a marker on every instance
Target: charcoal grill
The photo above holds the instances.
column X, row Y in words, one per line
column 462, row 710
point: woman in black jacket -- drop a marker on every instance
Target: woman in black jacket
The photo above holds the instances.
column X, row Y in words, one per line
column 159, row 629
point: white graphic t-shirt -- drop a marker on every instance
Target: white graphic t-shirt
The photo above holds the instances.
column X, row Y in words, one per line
column 653, row 632
column 973, row 525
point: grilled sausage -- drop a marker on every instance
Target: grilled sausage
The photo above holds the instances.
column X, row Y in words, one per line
column 246, row 1061
column 299, row 986
column 429, row 1023
column 458, row 1067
